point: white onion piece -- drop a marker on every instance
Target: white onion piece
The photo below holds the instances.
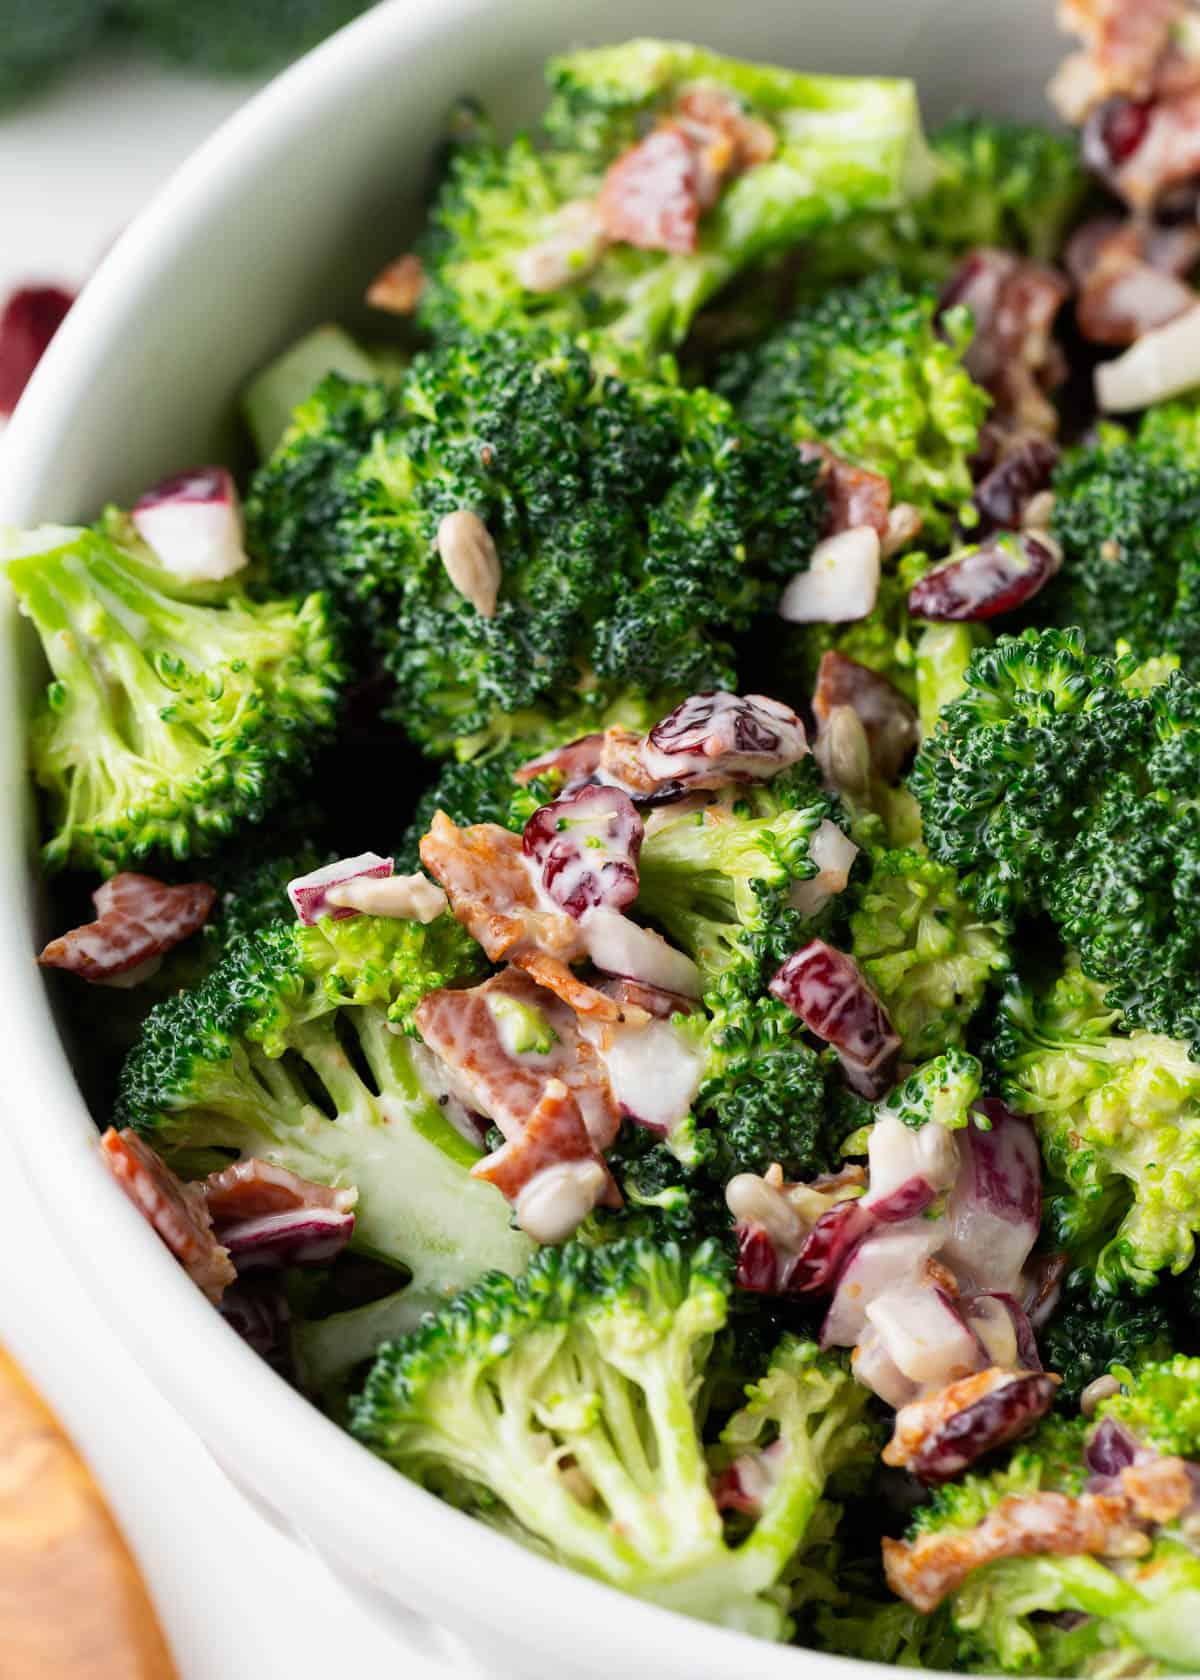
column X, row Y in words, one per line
column 833, row 853
column 619, row 946
column 406, row 898
column 194, row 525
column 875, row 1368
column 878, row 1264
column 1162, row 363
column 310, row 893
column 897, row 1153
column 654, row 1071
column 841, row 583
column 924, row 1334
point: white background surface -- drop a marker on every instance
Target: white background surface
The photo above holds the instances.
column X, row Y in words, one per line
column 238, row 1600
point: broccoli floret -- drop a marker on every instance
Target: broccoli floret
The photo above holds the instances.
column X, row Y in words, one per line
column 874, row 1630
column 998, row 182
column 1128, row 522
column 596, row 1359
column 1091, row 1333
column 295, row 1050
column 1023, row 1614
column 231, row 39
column 841, row 144
column 941, row 1091
column 177, row 712
column 1170, row 432
column 631, row 523
column 866, row 370
column 924, row 948
column 1118, row 1118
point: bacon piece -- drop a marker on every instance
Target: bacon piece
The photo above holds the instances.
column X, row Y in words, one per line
column 826, row 990
column 252, row 1188
column 651, row 194
column 177, row 1211
column 717, row 738
column 29, row 320
column 586, row 847
column 889, row 722
column 574, row 762
column 941, row 1435
column 462, row 1029
column 990, row 578
column 398, row 287
column 632, row 995
column 856, row 496
column 492, row 894
column 926, row 1570
column 1013, row 303
column 553, row 1135
column 300, row 1237
column 138, row 919
column 1126, row 44
column 1122, row 295
column 710, row 115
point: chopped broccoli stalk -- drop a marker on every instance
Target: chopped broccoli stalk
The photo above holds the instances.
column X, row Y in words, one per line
column 273, row 395
column 631, row 522
column 1128, row 521
column 841, row 144
column 997, row 182
column 868, row 371
column 939, row 1092
column 178, row 713
column 294, row 1049
column 924, row 948
column 331, row 1354
column 1118, row 1118
column 943, row 652
column 596, row 1358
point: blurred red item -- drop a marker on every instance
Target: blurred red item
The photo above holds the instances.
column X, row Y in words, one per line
column 32, row 316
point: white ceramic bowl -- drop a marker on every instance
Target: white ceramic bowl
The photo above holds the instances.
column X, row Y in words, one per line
column 273, row 226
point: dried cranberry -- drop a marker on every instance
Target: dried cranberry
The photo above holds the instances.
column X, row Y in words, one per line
column 826, row 990
column 1002, row 496
column 714, row 738
column 30, row 320
column 587, row 846
column 1114, row 131
column 979, row 583
column 757, row 1263
column 1004, row 1415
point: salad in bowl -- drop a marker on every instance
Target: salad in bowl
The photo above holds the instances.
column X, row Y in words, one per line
column 738, row 1135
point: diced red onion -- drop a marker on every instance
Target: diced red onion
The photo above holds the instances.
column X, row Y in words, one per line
column 574, row 762
column 716, row 738
column 826, row 990
column 1110, row 1449
column 31, row 317
column 586, row 847
column 299, row 1237
column 879, row 1263
column 981, row 582
column 925, row 1334
column 309, row 893
column 1019, row 1331
column 744, row 1485
column 995, row 1209
column 841, row 583
column 618, row 946
column 194, row 525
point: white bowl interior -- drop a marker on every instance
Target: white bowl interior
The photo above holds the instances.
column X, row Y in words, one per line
column 272, row 227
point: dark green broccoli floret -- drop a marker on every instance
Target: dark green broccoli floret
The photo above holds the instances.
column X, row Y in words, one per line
column 664, row 1196
column 596, row 1358
column 866, row 370
column 1089, row 1334
column 1128, row 521
column 1069, row 1614
column 999, row 182
column 1118, row 1117
column 287, row 1052
column 177, row 712
column 38, row 41
column 230, row 38
column 841, row 144
column 1170, row 432
column 630, row 520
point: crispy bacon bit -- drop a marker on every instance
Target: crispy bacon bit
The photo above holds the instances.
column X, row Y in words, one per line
column 398, row 287
column 585, row 846
column 1013, row 303
column 462, row 1029
column 492, row 894
column 826, row 990
column 138, row 919
column 938, row 1437
column 1126, row 46
column 889, row 721
column 856, row 496
column 251, row 1189
column 1123, row 292
column 1003, row 494
column 926, row 1570
column 574, row 762
column 28, row 322
column 651, row 194
column 710, row 116
column 990, row 578
column 554, row 1135
column 716, row 738
column 177, row 1211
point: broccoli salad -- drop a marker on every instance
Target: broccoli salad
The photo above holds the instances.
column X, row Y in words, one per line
column 639, row 853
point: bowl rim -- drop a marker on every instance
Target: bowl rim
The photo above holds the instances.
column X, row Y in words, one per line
column 343, row 1490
